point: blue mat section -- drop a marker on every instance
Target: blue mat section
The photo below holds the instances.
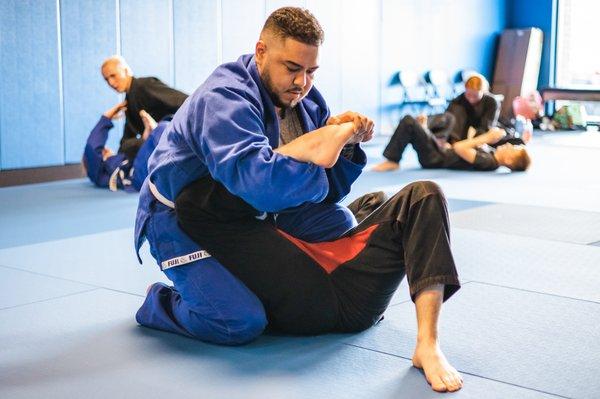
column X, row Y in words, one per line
column 527, row 263
column 533, row 221
column 104, row 260
column 93, row 349
column 19, row 288
column 533, row 340
column 51, row 211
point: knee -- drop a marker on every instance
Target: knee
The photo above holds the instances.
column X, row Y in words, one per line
column 237, row 329
column 247, row 328
column 425, row 188
column 407, row 119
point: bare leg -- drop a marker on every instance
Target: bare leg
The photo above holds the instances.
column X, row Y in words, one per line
column 428, row 355
column 386, row 166
column 149, row 124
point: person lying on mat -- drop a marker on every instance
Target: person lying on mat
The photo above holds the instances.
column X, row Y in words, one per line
column 475, row 153
column 241, row 211
column 128, row 168
column 470, row 114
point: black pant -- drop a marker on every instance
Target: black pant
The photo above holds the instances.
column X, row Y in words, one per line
column 301, row 293
column 409, row 131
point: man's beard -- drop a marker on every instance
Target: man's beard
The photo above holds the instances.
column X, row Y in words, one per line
column 266, row 78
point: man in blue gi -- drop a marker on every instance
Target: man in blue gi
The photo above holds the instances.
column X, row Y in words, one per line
column 128, row 168
column 254, row 159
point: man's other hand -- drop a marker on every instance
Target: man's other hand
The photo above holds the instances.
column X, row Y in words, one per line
column 495, row 135
column 422, row 120
column 363, row 125
column 116, row 111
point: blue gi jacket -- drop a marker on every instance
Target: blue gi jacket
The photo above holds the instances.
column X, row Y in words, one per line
column 228, row 128
column 123, row 173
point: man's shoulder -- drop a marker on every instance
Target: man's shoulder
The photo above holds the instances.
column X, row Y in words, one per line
column 144, row 80
column 232, row 77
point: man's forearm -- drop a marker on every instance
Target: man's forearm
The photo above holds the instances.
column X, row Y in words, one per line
column 466, row 149
column 476, row 141
column 321, row 147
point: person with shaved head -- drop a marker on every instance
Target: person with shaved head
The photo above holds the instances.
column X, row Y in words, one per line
column 144, row 93
column 241, row 210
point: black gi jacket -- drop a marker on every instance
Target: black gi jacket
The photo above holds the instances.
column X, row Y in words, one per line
column 482, row 116
column 152, row 95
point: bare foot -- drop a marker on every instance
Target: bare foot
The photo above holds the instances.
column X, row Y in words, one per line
column 386, row 166
column 438, row 372
column 149, row 124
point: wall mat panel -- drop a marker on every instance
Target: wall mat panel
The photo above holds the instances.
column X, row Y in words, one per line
column 360, row 57
column 89, row 35
column 197, row 41
column 147, row 37
column 30, row 94
column 328, row 78
column 242, row 22
column 272, row 5
column 430, row 34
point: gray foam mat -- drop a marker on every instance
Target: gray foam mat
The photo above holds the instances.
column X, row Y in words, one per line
column 70, row 208
column 532, row 221
column 570, row 270
column 536, row 341
column 19, row 287
column 88, row 345
column 102, row 260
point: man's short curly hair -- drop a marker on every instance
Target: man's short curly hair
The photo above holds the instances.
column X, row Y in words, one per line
column 297, row 23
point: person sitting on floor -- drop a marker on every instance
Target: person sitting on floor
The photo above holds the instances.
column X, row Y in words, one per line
column 476, row 108
column 142, row 93
column 474, row 153
column 128, row 168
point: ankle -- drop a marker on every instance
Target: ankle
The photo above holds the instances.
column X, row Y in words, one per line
column 427, row 340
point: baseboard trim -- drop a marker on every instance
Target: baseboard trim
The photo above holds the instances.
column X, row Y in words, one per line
column 17, row 177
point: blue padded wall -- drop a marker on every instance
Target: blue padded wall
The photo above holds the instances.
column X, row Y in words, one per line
column 30, row 94
column 147, row 37
column 88, row 35
column 272, row 5
column 360, row 57
column 197, row 41
column 540, row 14
column 328, row 78
column 445, row 34
column 45, row 120
column 242, row 22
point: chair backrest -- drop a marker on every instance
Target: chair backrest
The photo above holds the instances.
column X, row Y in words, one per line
column 413, row 86
column 438, row 84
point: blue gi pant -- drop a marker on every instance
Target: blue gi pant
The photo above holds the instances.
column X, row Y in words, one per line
column 208, row 303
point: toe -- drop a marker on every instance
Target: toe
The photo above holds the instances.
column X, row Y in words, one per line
column 438, row 385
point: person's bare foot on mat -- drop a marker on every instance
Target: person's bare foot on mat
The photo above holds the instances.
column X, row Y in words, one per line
column 149, row 124
column 386, row 166
column 439, row 373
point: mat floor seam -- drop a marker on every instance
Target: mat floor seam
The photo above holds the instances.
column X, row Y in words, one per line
column 464, row 372
column 535, row 292
column 586, row 244
column 49, row 299
column 94, row 286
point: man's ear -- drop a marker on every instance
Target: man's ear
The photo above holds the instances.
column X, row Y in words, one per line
column 260, row 51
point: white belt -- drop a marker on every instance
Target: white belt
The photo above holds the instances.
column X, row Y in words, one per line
column 178, row 260
column 163, row 200
column 159, row 197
